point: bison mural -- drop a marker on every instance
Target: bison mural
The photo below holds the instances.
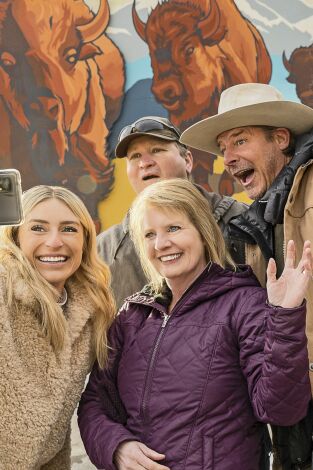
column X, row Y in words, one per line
column 61, row 89
column 300, row 68
column 197, row 49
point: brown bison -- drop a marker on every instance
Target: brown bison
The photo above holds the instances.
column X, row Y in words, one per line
column 300, row 68
column 61, row 84
column 197, row 49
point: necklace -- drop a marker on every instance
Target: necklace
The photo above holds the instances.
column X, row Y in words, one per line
column 63, row 298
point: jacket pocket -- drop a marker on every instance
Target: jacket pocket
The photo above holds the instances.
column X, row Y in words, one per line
column 207, row 453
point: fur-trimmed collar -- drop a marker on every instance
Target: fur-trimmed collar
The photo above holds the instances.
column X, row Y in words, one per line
column 78, row 309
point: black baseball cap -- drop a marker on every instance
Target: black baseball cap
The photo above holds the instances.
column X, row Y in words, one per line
column 154, row 126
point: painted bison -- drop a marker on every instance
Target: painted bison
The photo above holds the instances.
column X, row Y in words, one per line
column 197, row 49
column 300, row 68
column 61, row 86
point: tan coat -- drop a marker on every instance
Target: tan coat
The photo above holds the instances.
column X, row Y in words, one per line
column 39, row 389
column 298, row 226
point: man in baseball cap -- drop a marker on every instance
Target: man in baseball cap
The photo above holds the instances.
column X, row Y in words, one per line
column 259, row 134
column 150, row 125
column 152, row 151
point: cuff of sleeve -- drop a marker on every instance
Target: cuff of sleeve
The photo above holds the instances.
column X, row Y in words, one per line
column 268, row 303
column 124, row 436
column 287, row 321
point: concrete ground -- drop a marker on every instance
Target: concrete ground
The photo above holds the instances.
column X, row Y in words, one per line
column 80, row 461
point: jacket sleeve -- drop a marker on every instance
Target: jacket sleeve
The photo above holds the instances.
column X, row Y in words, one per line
column 106, row 245
column 62, row 460
column 274, row 359
column 101, row 414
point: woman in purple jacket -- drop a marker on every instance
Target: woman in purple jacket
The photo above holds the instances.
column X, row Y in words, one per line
column 202, row 356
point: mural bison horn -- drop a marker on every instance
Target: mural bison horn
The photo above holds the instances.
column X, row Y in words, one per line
column 286, row 62
column 139, row 25
column 92, row 30
column 212, row 27
column 61, row 89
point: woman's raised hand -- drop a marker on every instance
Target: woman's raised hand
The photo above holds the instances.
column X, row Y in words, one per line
column 289, row 289
column 133, row 455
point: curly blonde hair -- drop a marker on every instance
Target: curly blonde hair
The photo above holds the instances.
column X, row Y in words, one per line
column 93, row 274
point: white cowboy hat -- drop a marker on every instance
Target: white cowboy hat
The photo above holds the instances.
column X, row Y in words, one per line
column 248, row 104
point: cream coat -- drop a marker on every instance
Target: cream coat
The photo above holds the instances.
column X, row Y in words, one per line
column 298, row 226
column 39, row 389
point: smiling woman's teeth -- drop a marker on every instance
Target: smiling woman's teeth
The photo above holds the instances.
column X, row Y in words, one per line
column 52, row 259
column 169, row 257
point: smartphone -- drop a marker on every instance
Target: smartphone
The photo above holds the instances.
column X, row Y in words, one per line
column 11, row 212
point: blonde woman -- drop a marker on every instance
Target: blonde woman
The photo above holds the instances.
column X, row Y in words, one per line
column 55, row 309
column 199, row 359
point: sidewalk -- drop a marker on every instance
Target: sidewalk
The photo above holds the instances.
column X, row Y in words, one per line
column 80, row 461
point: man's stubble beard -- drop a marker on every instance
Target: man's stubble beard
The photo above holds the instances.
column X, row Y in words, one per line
column 273, row 167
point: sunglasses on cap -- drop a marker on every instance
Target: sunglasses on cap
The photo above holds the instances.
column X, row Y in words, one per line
column 147, row 125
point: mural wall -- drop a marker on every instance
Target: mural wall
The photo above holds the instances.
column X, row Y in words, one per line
column 74, row 72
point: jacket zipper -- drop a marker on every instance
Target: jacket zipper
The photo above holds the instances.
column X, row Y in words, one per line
column 148, row 380
column 166, row 318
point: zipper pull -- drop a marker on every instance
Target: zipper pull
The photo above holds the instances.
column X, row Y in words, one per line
column 165, row 320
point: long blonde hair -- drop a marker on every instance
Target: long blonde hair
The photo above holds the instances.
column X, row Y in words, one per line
column 178, row 195
column 93, row 275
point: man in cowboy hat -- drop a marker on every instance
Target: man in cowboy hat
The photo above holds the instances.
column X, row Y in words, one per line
column 258, row 134
column 152, row 151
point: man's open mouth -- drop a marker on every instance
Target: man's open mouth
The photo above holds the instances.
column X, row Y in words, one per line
column 149, row 177
column 244, row 176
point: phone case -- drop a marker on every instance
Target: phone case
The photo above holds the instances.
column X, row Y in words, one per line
column 11, row 212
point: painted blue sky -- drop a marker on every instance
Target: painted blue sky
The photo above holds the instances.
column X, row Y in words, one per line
column 284, row 25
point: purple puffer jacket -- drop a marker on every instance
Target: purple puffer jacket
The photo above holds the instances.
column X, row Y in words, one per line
column 196, row 384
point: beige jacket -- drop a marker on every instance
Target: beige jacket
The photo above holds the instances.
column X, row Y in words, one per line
column 39, row 389
column 298, row 226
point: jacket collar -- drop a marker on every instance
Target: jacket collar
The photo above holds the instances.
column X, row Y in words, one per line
column 256, row 224
column 121, row 234
column 78, row 309
column 214, row 281
column 125, row 223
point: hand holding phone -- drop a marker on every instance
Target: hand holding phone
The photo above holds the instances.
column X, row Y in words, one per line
column 11, row 212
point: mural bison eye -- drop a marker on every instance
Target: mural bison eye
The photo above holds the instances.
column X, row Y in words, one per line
column 71, row 56
column 7, row 59
column 197, row 50
column 58, row 113
column 189, row 51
